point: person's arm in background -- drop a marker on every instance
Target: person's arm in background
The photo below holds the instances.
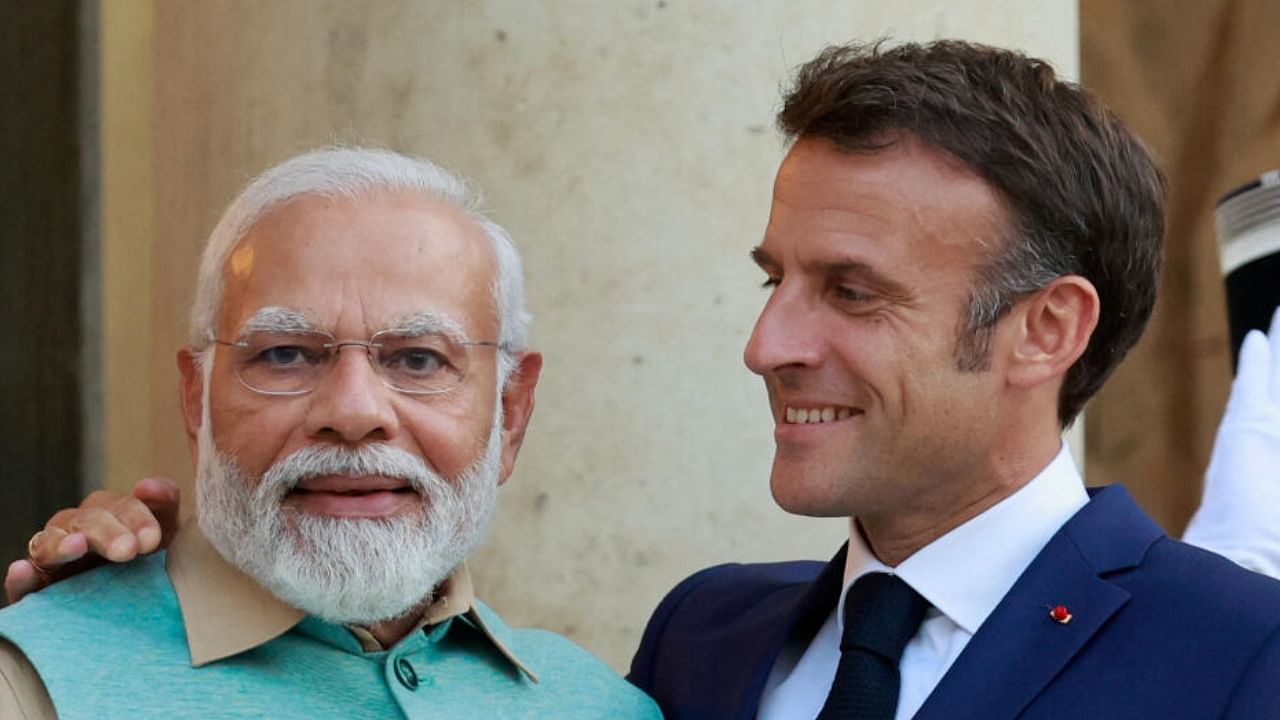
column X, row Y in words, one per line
column 1239, row 514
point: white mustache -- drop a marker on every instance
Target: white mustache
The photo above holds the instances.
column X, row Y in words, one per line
column 318, row 460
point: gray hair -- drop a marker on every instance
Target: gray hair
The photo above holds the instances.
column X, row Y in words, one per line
column 1027, row 261
column 352, row 172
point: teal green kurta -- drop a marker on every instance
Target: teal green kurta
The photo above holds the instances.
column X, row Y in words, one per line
column 112, row 644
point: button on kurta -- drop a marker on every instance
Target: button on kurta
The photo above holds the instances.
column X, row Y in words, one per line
column 405, row 673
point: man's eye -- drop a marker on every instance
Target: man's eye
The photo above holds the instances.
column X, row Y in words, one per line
column 849, row 294
column 285, row 356
column 419, row 361
column 770, row 283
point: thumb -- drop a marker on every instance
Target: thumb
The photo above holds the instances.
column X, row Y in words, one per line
column 164, row 500
column 1253, row 380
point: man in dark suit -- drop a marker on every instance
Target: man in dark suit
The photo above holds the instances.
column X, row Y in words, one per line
column 961, row 249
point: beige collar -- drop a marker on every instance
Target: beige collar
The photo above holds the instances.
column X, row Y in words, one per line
column 226, row 613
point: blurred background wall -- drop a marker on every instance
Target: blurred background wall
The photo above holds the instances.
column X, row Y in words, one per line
column 1197, row 79
column 629, row 148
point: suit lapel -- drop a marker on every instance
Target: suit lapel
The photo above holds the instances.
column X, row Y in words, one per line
column 798, row 615
column 1019, row 649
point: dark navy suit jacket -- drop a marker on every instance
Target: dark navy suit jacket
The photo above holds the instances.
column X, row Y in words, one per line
column 1160, row 630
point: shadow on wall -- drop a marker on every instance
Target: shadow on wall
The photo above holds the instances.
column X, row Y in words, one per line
column 45, row 212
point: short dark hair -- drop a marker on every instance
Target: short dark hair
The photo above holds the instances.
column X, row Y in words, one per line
column 1084, row 195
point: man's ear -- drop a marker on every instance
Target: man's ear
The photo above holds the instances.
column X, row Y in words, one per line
column 1054, row 329
column 191, row 392
column 517, row 407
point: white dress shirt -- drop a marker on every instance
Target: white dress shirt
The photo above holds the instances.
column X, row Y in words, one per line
column 963, row 574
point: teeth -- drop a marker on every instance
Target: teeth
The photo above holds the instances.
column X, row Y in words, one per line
column 802, row 416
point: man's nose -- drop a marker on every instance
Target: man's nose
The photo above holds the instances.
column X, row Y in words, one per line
column 787, row 334
column 352, row 404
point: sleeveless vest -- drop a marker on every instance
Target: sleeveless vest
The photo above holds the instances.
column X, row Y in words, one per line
column 110, row 643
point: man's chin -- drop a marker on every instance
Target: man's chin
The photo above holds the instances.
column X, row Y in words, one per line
column 803, row 494
column 306, row 576
column 346, row 559
column 363, row 618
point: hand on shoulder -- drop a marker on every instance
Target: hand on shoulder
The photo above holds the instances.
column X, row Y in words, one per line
column 106, row 527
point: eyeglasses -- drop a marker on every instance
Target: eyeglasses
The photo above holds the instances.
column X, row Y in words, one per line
column 294, row 363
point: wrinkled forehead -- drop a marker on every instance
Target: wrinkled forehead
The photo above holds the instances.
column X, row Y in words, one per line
column 908, row 194
column 353, row 265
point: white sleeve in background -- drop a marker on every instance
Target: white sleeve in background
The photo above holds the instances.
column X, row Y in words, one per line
column 1239, row 516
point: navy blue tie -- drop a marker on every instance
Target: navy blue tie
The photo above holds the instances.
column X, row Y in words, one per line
column 881, row 613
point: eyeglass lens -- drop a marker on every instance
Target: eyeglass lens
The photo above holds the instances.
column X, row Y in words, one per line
column 285, row 363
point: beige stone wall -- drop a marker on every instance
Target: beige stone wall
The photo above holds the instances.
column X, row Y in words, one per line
column 628, row 146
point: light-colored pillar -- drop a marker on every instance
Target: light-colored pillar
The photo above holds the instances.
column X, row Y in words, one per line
column 629, row 149
column 127, row 64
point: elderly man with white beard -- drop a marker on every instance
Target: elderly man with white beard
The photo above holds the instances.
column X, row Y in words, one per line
column 357, row 385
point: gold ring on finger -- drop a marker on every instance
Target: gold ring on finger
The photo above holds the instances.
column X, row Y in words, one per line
column 31, row 554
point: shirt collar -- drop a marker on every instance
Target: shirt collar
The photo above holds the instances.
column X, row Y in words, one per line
column 965, row 573
column 225, row 612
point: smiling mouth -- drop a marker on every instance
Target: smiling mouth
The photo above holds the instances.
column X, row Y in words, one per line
column 352, row 485
column 817, row 415
column 353, row 492
column 353, row 497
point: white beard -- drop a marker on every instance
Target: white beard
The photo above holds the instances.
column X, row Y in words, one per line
column 356, row 571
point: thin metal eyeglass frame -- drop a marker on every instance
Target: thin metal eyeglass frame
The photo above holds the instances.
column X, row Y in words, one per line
column 369, row 347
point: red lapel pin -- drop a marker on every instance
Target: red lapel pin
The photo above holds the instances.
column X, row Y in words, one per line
column 1061, row 614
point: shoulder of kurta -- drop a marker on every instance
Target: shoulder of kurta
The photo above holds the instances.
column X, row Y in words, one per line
column 569, row 673
column 565, row 668
column 22, row 693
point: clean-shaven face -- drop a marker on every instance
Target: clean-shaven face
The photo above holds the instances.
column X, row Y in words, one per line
column 870, row 259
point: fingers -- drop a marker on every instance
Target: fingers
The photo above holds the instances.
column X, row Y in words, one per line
column 1252, row 373
column 48, row 553
column 1275, row 356
column 54, row 547
column 106, row 525
column 20, row 580
column 163, row 500
column 131, row 513
column 106, row 534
